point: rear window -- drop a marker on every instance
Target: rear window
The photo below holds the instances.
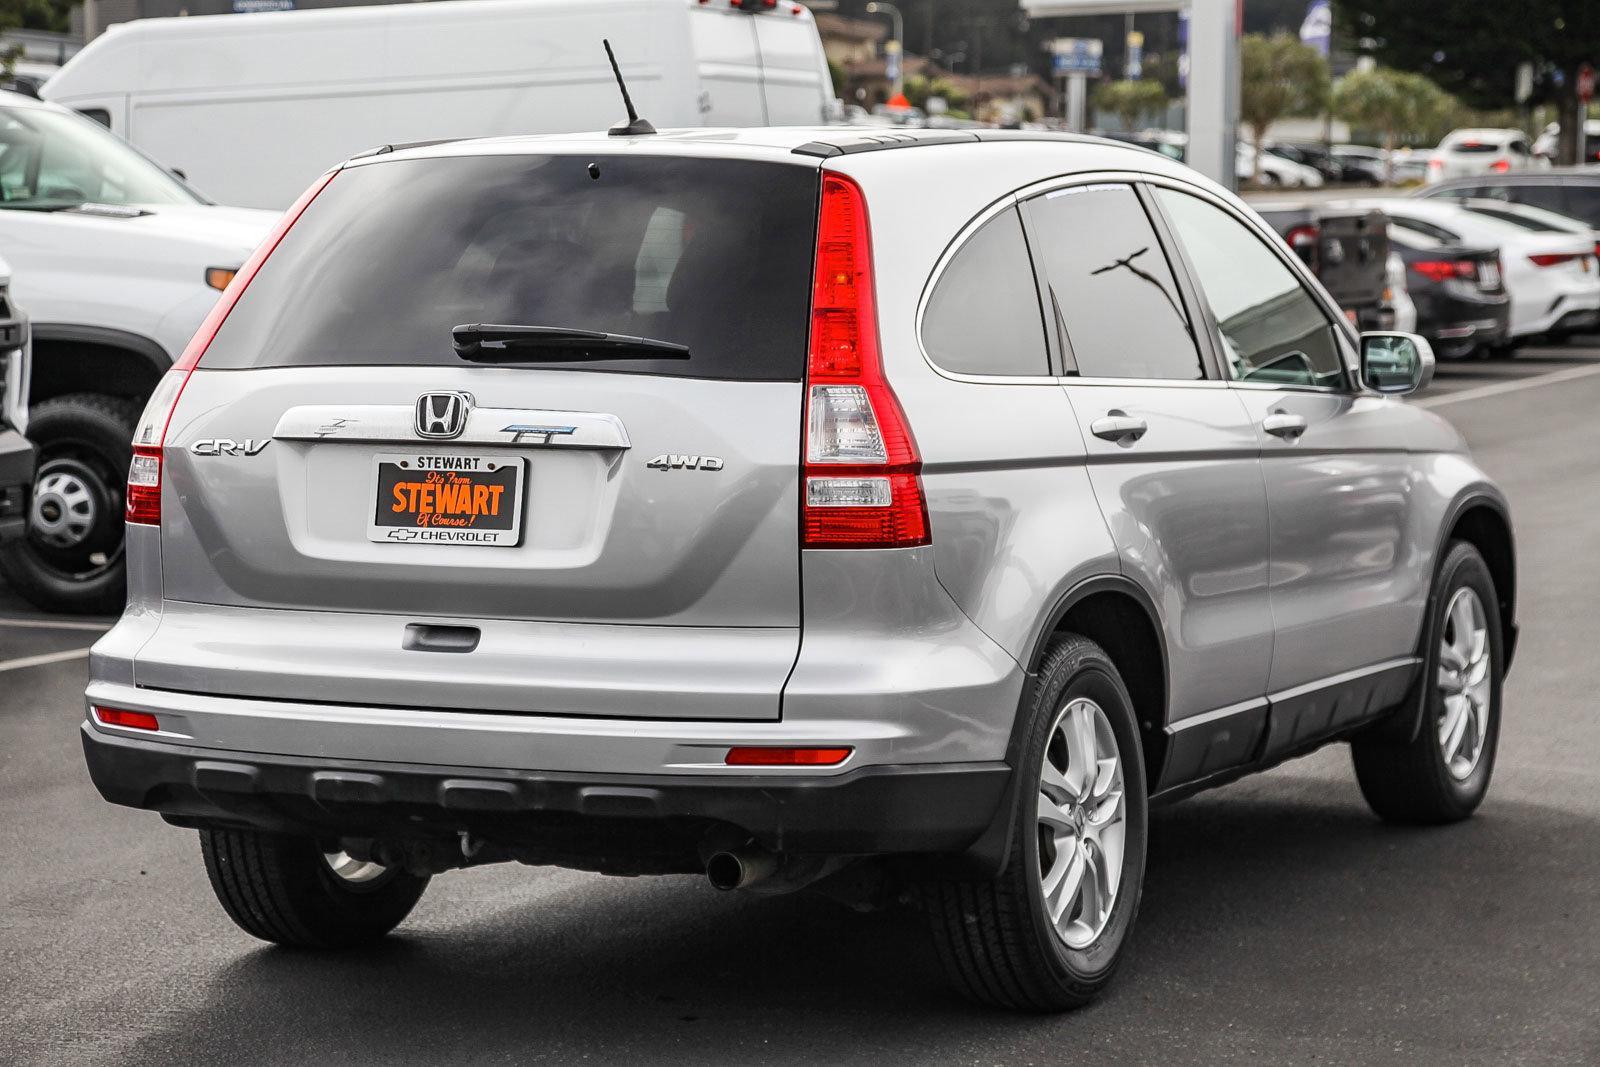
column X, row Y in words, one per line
column 711, row 254
column 1475, row 148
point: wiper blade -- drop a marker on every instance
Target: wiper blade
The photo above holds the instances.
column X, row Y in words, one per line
column 484, row 343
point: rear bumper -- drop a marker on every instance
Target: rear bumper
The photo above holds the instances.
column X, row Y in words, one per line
column 909, row 809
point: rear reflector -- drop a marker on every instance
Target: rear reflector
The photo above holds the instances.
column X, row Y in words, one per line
column 861, row 465
column 1551, row 259
column 1500, row 166
column 762, row 756
column 133, row 720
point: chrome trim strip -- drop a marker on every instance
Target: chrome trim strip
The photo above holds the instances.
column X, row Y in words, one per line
column 1330, row 682
column 511, row 427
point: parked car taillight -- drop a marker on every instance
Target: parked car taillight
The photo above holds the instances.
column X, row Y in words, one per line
column 1500, row 166
column 150, row 434
column 863, row 487
column 1303, row 239
column 1444, row 269
column 1554, row 259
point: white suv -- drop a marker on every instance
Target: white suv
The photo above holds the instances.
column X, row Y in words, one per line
column 1468, row 152
column 117, row 262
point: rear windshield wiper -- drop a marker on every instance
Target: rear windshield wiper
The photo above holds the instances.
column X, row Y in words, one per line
column 484, row 343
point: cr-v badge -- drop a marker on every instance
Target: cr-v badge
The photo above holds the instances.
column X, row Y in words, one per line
column 665, row 462
column 223, row 446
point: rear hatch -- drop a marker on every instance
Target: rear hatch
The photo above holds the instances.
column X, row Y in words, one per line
column 604, row 507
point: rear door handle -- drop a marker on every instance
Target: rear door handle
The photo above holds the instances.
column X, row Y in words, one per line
column 1118, row 426
column 1283, row 424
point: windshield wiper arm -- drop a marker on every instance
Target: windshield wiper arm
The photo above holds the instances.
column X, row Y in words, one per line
column 485, row 343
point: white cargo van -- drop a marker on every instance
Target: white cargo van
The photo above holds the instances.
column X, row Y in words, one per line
column 251, row 108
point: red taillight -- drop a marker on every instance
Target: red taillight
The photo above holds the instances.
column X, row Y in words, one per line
column 1551, row 259
column 1500, row 166
column 862, row 471
column 1444, row 269
column 143, row 501
column 133, row 720
column 765, row 756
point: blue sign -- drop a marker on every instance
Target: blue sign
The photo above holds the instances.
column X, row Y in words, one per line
column 1076, row 55
column 1317, row 29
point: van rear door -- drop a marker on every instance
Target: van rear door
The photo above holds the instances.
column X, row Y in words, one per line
column 554, row 400
column 794, row 72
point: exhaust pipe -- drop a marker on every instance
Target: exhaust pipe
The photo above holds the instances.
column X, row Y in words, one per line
column 740, row 868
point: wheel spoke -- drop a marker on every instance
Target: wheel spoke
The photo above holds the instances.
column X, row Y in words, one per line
column 1055, row 816
column 1457, row 719
column 1450, row 682
column 1086, row 750
column 1054, row 784
column 1064, row 884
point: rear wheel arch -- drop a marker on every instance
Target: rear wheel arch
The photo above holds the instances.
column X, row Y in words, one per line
column 1482, row 522
column 1117, row 614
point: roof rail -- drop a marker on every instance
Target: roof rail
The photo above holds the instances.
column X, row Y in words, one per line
column 878, row 142
column 385, row 149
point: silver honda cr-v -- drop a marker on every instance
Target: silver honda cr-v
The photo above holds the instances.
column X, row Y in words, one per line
column 897, row 515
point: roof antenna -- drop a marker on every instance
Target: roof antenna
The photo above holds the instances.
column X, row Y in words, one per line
column 635, row 124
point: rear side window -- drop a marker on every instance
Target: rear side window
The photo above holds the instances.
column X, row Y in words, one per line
column 1474, row 148
column 983, row 317
column 712, row 254
column 1272, row 329
column 1546, row 196
column 1110, row 288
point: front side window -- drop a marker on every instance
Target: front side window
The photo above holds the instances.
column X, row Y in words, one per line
column 983, row 317
column 1272, row 329
column 1110, row 289
column 51, row 161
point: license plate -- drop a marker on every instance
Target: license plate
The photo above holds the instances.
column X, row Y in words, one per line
column 449, row 498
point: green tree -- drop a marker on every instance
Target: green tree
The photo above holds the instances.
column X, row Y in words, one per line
column 1281, row 77
column 1472, row 50
column 1130, row 100
column 1392, row 102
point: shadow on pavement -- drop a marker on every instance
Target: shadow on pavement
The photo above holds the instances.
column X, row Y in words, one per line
column 1328, row 932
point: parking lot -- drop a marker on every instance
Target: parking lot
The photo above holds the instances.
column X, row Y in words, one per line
column 1281, row 924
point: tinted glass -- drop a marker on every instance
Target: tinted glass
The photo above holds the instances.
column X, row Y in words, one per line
column 52, row 160
column 1583, row 202
column 712, row 254
column 1438, row 233
column 1273, row 330
column 1545, row 196
column 1110, row 287
column 983, row 317
column 1473, row 192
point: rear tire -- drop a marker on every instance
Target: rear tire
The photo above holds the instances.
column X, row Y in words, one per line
column 997, row 939
column 1442, row 774
column 76, row 564
column 283, row 889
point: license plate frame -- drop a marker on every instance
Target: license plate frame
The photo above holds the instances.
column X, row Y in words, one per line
column 440, row 484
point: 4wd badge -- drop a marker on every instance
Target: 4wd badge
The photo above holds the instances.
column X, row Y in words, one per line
column 673, row 461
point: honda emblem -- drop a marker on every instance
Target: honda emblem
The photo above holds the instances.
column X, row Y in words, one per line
column 442, row 416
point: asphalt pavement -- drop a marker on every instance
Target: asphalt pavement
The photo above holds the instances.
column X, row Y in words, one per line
column 1281, row 922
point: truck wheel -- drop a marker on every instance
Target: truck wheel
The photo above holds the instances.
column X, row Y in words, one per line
column 1048, row 933
column 1442, row 774
column 288, row 891
column 71, row 558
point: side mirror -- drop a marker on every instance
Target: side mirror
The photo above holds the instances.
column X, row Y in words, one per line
column 1395, row 363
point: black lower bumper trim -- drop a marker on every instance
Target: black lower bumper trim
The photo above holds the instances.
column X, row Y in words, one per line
column 938, row 808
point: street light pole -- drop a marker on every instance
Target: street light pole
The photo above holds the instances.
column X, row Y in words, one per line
column 881, row 7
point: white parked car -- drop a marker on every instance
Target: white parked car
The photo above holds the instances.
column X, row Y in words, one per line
column 1481, row 151
column 1275, row 170
column 1551, row 277
column 253, row 107
column 117, row 263
column 16, row 454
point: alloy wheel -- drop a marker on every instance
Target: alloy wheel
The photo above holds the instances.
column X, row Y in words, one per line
column 1464, row 684
column 1082, row 822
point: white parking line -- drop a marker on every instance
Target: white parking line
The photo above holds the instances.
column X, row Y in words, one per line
column 1510, row 387
column 56, row 624
column 40, row 661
